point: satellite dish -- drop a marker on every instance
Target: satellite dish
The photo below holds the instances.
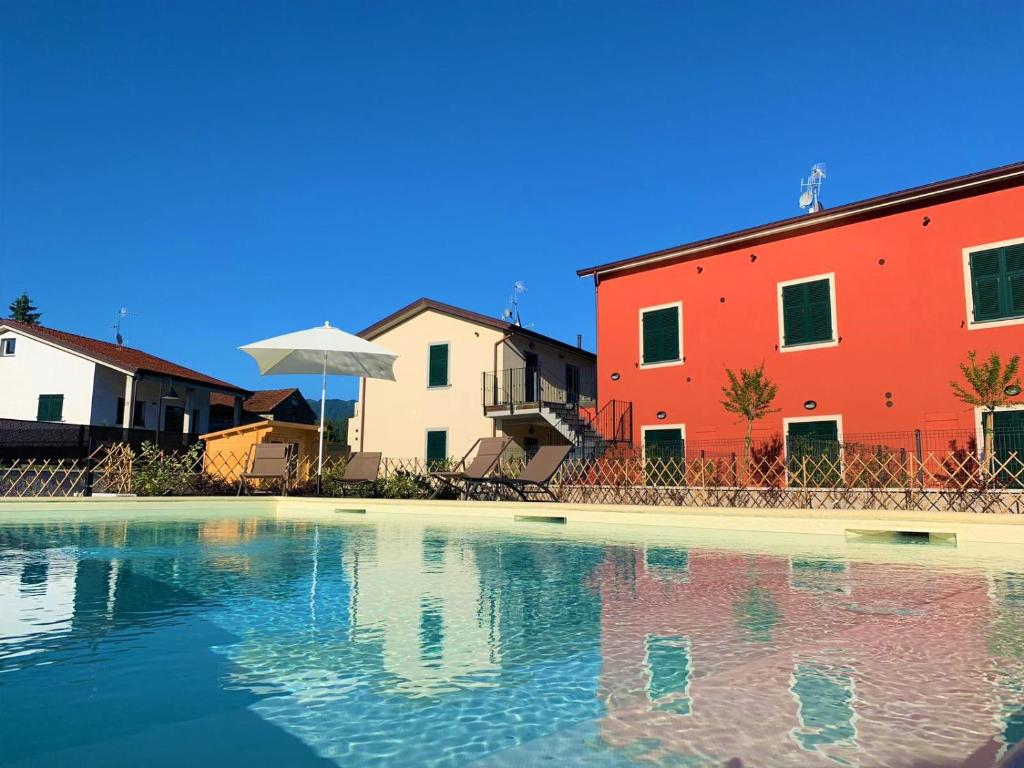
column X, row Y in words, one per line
column 811, row 188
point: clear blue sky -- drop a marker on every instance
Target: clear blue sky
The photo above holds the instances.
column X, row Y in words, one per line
column 231, row 171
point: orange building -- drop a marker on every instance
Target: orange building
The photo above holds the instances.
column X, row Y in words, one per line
column 861, row 314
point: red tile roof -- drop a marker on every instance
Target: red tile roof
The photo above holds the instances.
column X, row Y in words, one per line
column 260, row 401
column 124, row 358
column 1004, row 177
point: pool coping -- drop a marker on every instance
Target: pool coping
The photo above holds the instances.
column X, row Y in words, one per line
column 999, row 528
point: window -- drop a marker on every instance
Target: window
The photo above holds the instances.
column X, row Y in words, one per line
column 661, row 339
column 7, row 347
column 51, row 408
column 997, row 283
column 807, row 313
column 437, row 366
column 437, row 447
column 668, row 673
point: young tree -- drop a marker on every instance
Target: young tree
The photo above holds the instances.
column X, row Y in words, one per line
column 24, row 311
column 988, row 384
column 749, row 395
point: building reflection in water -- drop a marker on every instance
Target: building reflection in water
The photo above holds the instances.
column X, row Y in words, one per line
column 802, row 661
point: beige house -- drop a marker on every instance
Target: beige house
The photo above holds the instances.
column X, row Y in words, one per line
column 461, row 375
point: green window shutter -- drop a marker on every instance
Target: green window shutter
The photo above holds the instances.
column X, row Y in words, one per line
column 985, row 284
column 438, row 366
column 807, row 313
column 437, row 446
column 664, row 443
column 1013, row 261
column 50, row 408
column 661, row 335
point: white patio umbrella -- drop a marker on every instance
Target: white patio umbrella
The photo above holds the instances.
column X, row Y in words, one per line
column 322, row 350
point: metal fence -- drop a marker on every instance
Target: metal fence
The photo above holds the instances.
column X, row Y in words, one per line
column 815, row 475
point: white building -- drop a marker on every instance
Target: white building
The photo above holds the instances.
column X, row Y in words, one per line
column 52, row 376
column 461, row 375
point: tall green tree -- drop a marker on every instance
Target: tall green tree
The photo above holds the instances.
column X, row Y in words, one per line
column 23, row 310
column 987, row 385
column 749, row 395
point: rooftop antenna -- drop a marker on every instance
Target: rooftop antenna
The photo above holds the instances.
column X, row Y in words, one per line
column 810, row 189
column 512, row 310
column 122, row 313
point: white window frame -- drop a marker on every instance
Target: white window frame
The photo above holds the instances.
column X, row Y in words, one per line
column 426, row 441
column 3, row 346
column 831, row 277
column 643, row 435
column 448, row 373
column 678, row 305
column 972, row 324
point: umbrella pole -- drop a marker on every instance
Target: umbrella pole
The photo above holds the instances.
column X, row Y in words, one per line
column 323, row 406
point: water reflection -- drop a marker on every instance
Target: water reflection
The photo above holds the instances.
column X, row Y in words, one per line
column 407, row 643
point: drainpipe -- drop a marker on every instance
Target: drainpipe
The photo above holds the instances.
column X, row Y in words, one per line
column 505, row 337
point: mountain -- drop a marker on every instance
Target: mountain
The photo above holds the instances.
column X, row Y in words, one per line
column 335, row 410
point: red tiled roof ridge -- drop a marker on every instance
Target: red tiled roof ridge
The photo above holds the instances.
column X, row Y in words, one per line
column 123, row 357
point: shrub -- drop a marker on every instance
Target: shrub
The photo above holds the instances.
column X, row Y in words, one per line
column 159, row 473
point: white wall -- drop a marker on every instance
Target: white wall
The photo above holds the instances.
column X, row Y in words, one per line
column 90, row 391
column 40, row 369
column 107, row 386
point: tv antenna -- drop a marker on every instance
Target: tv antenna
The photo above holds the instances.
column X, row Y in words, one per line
column 810, row 189
column 122, row 313
column 512, row 310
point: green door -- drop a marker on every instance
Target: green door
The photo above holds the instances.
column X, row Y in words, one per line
column 1009, row 447
column 664, row 451
column 812, row 448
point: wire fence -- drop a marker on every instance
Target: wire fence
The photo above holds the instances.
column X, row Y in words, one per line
column 814, row 474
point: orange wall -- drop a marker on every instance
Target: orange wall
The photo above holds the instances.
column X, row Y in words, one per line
column 902, row 325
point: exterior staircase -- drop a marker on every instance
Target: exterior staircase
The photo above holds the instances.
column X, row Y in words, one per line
column 590, row 432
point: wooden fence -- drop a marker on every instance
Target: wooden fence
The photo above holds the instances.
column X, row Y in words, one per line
column 844, row 478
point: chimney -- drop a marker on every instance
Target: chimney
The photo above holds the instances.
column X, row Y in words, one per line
column 579, row 341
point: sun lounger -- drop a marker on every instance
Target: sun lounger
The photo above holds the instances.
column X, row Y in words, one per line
column 361, row 469
column 536, row 475
column 270, row 462
column 468, row 476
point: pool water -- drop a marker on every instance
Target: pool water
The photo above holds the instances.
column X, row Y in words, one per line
column 410, row 642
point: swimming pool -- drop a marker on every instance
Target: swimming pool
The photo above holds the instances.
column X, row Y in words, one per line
column 256, row 639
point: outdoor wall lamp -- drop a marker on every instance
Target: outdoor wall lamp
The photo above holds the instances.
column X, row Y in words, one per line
column 810, row 405
column 1012, row 391
column 662, row 415
column 616, row 376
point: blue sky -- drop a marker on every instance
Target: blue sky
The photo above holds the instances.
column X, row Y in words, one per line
column 230, row 171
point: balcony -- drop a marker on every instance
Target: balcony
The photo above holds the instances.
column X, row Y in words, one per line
column 522, row 390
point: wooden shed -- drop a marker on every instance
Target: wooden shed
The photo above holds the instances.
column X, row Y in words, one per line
column 227, row 450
